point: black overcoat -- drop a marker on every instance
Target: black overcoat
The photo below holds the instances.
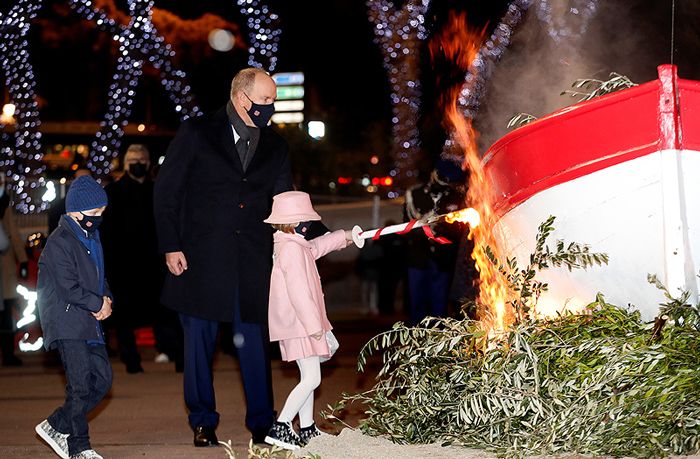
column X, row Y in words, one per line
column 208, row 207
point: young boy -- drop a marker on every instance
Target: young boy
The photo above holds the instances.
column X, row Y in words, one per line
column 73, row 298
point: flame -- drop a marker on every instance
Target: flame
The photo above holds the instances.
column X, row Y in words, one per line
column 469, row 216
column 493, row 287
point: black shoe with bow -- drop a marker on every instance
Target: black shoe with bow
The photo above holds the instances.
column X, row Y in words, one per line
column 205, row 436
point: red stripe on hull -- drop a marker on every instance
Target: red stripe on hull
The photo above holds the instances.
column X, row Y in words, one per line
column 593, row 135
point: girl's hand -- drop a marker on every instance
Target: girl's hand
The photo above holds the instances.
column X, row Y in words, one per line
column 318, row 335
column 348, row 237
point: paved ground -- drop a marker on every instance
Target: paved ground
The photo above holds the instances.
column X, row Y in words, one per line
column 144, row 416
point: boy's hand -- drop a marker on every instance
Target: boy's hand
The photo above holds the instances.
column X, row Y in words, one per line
column 177, row 264
column 106, row 310
column 317, row 336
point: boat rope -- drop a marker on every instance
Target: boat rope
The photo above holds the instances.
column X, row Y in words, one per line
column 673, row 24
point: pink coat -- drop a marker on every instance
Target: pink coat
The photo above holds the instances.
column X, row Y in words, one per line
column 297, row 308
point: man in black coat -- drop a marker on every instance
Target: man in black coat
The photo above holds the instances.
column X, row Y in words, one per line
column 212, row 194
column 133, row 264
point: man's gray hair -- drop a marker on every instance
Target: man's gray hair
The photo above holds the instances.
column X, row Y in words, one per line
column 138, row 148
column 245, row 79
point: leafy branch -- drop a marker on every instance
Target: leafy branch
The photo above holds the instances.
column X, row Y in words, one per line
column 590, row 88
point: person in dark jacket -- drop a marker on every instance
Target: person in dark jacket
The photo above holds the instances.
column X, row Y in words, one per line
column 431, row 263
column 212, row 194
column 133, row 264
column 73, row 297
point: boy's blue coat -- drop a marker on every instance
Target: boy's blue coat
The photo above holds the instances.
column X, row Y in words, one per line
column 70, row 287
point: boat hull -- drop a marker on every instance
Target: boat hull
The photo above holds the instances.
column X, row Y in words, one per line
column 625, row 185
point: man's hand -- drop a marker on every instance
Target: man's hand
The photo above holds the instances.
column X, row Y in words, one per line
column 177, row 264
column 106, row 310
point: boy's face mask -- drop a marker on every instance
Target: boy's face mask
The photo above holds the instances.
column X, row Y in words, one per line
column 303, row 228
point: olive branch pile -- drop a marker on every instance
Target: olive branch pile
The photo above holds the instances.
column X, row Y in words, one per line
column 598, row 382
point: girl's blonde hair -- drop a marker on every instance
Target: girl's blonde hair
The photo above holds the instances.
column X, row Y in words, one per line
column 285, row 227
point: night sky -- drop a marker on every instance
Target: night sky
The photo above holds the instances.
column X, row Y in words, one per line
column 331, row 42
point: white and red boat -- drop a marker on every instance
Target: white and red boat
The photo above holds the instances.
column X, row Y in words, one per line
column 622, row 174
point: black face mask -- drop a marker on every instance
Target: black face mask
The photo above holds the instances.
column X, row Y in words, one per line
column 260, row 114
column 138, row 170
column 94, row 220
column 303, row 228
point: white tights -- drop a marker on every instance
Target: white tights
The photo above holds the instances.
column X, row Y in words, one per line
column 301, row 398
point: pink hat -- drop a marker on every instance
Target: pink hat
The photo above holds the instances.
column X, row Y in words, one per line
column 292, row 207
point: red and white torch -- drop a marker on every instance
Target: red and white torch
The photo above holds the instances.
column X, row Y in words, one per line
column 469, row 216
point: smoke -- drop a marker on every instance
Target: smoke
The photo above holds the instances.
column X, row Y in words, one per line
column 538, row 67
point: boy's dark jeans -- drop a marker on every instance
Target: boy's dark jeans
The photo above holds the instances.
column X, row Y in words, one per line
column 89, row 377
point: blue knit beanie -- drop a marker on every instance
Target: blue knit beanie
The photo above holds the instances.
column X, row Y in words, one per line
column 85, row 194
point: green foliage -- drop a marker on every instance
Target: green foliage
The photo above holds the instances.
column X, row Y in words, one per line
column 524, row 286
column 583, row 89
column 590, row 88
column 520, row 119
column 600, row 382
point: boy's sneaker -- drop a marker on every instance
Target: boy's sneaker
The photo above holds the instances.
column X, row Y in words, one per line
column 307, row 433
column 87, row 454
column 283, row 435
column 55, row 439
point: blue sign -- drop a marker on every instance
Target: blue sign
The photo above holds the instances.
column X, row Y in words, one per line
column 289, row 78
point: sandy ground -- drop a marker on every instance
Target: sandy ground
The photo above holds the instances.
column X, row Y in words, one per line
column 351, row 444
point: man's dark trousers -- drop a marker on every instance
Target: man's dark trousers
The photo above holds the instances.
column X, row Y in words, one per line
column 89, row 376
column 252, row 344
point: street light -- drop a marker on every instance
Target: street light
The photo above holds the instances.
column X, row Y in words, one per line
column 317, row 129
column 8, row 114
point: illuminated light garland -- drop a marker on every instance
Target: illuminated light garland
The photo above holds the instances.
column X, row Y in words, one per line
column 399, row 34
column 581, row 10
column 22, row 161
column 28, row 317
column 264, row 34
column 481, row 68
column 28, row 314
column 139, row 43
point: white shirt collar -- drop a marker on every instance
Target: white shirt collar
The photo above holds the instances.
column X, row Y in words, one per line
column 235, row 134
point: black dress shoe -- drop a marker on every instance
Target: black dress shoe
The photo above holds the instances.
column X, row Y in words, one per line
column 205, row 436
column 134, row 368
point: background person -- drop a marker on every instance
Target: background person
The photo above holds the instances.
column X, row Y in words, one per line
column 134, row 266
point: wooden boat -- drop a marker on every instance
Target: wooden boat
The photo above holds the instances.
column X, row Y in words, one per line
column 622, row 174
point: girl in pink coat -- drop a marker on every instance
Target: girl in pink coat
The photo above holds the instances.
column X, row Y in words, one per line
column 297, row 312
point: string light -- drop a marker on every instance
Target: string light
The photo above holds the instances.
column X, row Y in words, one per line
column 264, row 34
column 139, row 43
column 560, row 28
column 399, row 34
column 481, row 68
column 21, row 159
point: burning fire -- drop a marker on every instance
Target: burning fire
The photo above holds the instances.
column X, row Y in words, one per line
column 469, row 216
column 461, row 44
